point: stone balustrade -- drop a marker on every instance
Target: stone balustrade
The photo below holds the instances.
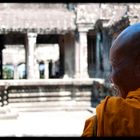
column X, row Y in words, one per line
column 55, row 93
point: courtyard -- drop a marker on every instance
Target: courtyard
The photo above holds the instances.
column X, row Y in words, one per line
column 44, row 124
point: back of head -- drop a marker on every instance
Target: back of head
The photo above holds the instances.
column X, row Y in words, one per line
column 129, row 40
column 125, row 60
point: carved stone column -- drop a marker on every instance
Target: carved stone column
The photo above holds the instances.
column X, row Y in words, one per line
column 69, row 43
column 16, row 73
column 46, row 72
column 99, row 52
column 31, row 43
column 77, row 57
column 37, row 70
column 81, row 54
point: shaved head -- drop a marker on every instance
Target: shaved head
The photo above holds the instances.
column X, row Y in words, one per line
column 128, row 40
column 125, row 60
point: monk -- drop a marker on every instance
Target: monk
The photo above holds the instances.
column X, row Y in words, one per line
column 120, row 115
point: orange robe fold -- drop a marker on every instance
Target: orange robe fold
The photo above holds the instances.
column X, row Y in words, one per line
column 116, row 116
column 88, row 128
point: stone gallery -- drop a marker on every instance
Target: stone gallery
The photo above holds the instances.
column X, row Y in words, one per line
column 61, row 41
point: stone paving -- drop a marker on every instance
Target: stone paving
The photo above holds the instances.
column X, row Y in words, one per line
column 45, row 124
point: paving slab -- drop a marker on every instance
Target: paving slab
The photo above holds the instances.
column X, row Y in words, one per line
column 45, row 123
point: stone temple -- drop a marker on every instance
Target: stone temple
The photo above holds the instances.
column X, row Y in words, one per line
column 61, row 41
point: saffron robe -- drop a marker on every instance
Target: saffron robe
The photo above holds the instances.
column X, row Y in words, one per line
column 116, row 116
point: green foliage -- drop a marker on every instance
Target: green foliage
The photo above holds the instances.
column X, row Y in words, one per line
column 7, row 73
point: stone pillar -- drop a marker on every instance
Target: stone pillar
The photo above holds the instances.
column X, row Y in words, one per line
column 99, row 53
column 81, row 55
column 16, row 73
column 37, row 71
column 2, row 43
column 1, row 64
column 61, row 45
column 53, row 69
column 77, row 57
column 31, row 43
column 69, row 42
column 107, row 40
column 46, row 71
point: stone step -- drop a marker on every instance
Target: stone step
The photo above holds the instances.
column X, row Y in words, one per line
column 38, row 109
column 45, row 106
column 38, row 94
column 48, row 94
column 38, row 99
column 46, row 99
column 58, row 103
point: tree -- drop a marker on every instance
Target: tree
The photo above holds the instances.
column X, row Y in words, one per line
column 7, row 73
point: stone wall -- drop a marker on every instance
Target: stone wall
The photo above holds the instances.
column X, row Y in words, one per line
column 68, row 94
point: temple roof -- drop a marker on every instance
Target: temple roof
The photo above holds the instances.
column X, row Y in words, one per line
column 41, row 20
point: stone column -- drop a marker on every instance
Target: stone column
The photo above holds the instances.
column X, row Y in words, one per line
column 97, row 51
column 1, row 65
column 46, row 71
column 107, row 44
column 2, row 38
column 37, row 71
column 16, row 73
column 53, row 69
column 81, row 55
column 77, row 57
column 69, row 55
column 61, row 45
column 31, row 43
column 15, row 65
column 98, row 54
